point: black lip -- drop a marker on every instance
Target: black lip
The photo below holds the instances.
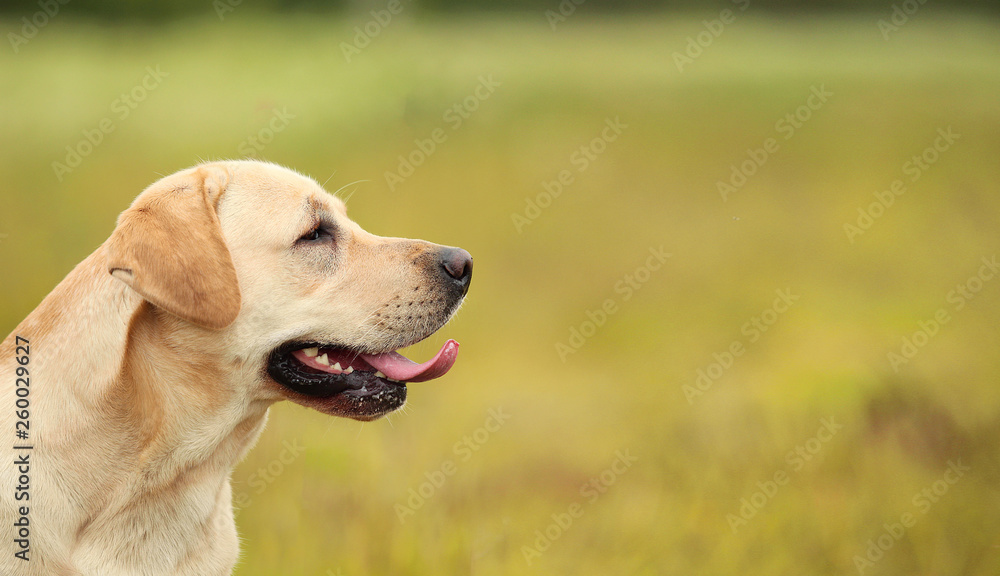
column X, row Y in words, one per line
column 290, row 373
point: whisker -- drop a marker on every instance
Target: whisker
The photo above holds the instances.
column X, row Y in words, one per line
column 349, row 184
column 328, row 179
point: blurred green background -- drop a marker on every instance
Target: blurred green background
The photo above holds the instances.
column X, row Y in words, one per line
column 782, row 394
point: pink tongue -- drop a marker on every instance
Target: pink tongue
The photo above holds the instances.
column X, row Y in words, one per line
column 399, row 367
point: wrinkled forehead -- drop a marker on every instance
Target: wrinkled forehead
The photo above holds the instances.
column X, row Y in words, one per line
column 277, row 196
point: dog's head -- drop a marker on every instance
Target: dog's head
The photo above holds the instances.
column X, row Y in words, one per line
column 263, row 266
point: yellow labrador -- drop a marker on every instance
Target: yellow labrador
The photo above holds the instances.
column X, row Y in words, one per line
column 147, row 374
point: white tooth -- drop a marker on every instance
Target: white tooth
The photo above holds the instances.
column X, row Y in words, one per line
column 379, row 375
column 323, row 360
column 349, row 370
column 310, row 352
column 337, row 367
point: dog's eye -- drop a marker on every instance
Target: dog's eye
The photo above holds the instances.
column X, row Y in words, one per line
column 315, row 235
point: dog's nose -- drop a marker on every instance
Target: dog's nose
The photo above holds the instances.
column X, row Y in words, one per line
column 457, row 263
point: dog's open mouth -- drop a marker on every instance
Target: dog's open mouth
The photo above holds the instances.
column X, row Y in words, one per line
column 366, row 385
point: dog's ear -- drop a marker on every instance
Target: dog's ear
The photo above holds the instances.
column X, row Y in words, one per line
column 168, row 247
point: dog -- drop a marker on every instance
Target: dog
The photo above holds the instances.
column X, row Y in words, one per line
column 146, row 375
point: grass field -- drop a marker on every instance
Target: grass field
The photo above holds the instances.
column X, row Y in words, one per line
column 850, row 397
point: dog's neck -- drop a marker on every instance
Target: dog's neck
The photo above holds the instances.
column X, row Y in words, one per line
column 152, row 411
column 188, row 402
column 152, row 375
